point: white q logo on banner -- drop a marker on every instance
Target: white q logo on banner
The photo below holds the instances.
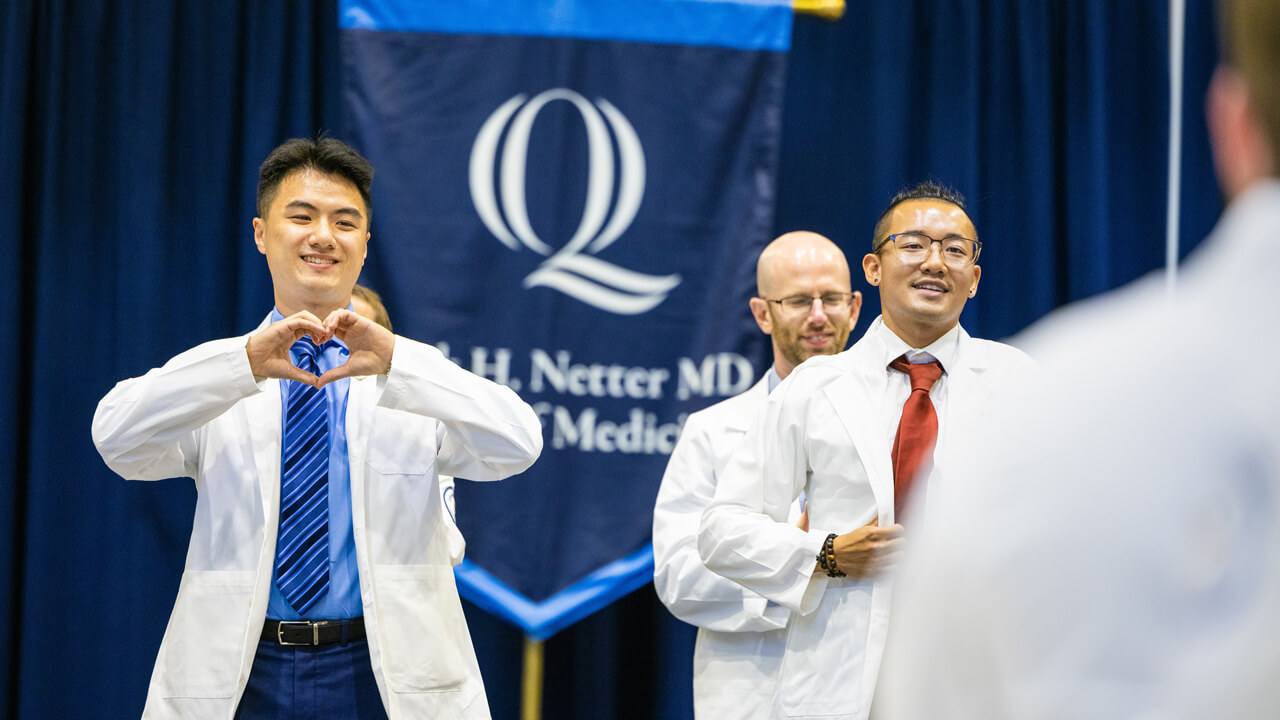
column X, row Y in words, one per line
column 568, row 270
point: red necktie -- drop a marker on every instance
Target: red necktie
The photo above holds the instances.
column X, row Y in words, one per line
column 917, row 430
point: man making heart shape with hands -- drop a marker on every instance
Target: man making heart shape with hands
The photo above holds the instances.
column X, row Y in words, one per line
column 369, row 346
column 318, row 580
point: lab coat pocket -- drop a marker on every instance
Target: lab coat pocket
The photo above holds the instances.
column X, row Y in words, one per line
column 404, row 444
column 422, row 629
column 827, row 652
column 204, row 644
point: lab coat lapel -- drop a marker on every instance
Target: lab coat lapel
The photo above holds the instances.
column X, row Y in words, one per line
column 740, row 422
column 851, row 396
column 965, row 398
column 263, row 415
column 361, row 399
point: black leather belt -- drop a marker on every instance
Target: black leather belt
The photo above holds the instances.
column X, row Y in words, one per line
column 306, row 632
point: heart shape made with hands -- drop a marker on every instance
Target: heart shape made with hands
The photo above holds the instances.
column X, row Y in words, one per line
column 369, row 347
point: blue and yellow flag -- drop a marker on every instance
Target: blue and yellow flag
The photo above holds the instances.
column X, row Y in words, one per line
column 570, row 198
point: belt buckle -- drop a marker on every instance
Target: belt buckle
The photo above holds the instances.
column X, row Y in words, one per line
column 315, row 632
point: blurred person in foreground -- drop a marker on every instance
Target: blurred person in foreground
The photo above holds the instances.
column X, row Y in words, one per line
column 366, row 302
column 1115, row 552
column 862, row 434
column 806, row 306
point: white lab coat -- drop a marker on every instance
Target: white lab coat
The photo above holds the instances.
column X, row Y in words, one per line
column 203, row 415
column 822, row 433
column 1116, row 551
column 740, row 634
column 456, row 542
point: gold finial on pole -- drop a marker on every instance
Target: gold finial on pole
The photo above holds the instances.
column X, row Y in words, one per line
column 826, row 9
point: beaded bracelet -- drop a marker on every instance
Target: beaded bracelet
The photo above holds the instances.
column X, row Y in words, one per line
column 827, row 557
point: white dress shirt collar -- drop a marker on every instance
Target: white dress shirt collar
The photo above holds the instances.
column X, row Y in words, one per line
column 943, row 349
column 772, row 374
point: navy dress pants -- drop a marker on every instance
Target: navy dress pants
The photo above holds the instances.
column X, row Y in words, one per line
column 311, row 682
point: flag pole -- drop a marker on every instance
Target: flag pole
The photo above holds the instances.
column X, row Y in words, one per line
column 531, row 680
column 1177, row 31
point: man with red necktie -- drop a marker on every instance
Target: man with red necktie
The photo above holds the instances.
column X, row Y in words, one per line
column 1133, row 570
column 864, row 435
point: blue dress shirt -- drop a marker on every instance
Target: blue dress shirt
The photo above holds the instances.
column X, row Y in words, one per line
column 772, row 374
column 343, row 597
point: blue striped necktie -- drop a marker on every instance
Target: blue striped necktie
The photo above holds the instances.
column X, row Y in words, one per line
column 302, row 549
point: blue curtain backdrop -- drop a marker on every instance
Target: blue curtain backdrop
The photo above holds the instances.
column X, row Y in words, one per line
column 130, row 134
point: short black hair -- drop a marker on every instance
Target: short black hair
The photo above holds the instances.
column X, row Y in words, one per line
column 324, row 154
column 927, row 190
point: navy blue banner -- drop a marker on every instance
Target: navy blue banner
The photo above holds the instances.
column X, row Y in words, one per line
column 569, row 199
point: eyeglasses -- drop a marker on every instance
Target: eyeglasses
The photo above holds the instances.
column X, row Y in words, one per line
column 914, row 247
column 831, row 302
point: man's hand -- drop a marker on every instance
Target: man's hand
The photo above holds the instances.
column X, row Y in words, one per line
column 370, row 345
column 868, row 551
column 268, row 350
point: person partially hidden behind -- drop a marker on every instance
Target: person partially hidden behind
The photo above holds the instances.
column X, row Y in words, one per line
column 806, row 306
column 368, row 303
column 317, row 582
column 865, row 436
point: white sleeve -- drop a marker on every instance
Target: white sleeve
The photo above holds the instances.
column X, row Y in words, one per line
column 489, row 432
column 145, row 427
column 689, row 590
column 745, row 535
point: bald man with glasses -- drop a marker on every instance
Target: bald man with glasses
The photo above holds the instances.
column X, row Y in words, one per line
column 806, row 306
column 863, row 435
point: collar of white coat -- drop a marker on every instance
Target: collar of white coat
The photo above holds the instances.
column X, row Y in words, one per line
column 945, row 349
column 1246, row 231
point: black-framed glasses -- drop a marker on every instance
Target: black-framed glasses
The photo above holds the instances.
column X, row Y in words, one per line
column 833, row 302
column 914, row 247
